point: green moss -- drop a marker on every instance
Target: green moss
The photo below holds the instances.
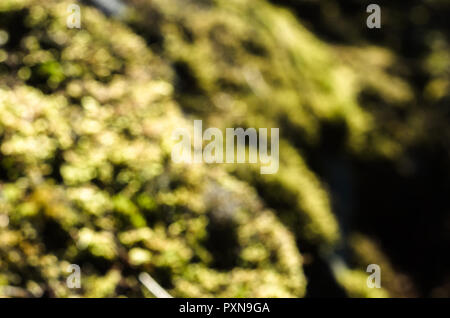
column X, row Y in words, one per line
column 87, row 181
column 85, row 127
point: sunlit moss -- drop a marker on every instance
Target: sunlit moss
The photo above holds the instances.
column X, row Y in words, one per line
column 85, row 142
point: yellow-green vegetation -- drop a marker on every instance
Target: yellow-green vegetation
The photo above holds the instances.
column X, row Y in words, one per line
column 87, row 176
column 86, row 118
column 251, row 64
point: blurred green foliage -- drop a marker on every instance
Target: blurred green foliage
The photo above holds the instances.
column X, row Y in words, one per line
column 87, row 176
column 85, row 130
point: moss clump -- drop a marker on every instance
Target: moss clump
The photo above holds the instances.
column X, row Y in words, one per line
column 86, row 176
column 85, row 138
